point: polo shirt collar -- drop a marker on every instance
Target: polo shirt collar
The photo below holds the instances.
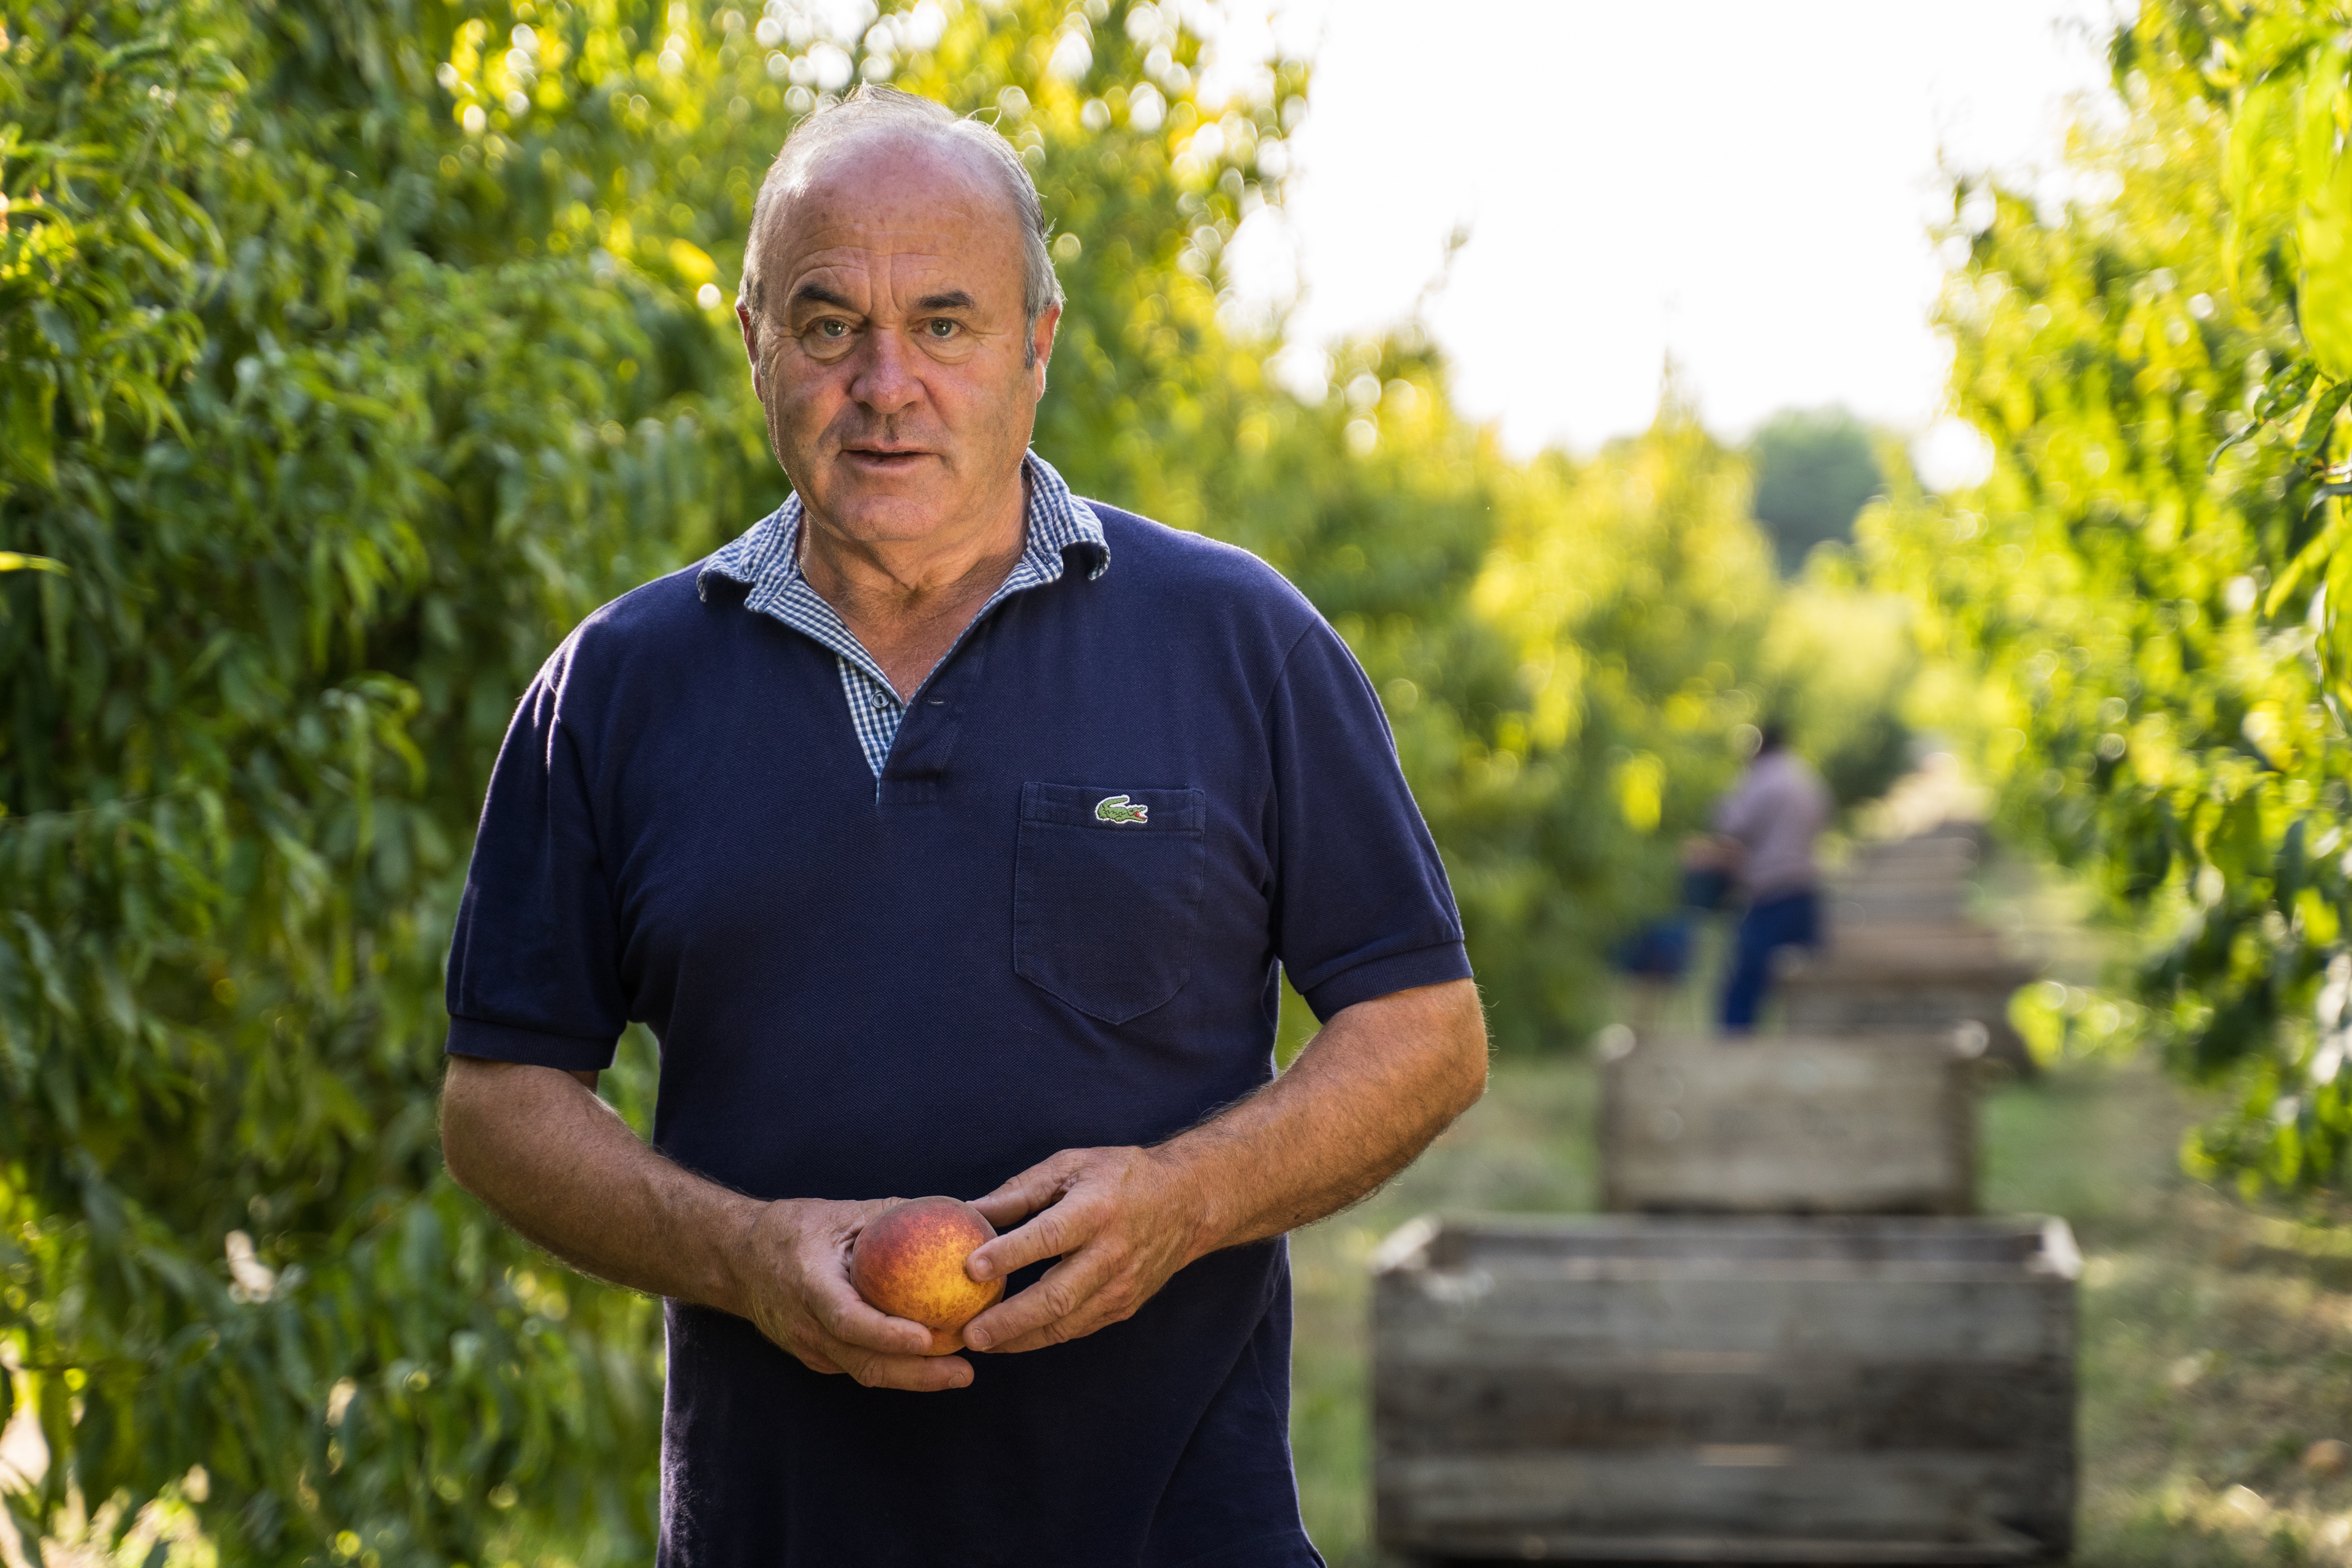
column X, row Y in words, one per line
column 767, row 557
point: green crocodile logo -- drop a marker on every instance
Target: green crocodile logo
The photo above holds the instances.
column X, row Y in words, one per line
column 1115, row 808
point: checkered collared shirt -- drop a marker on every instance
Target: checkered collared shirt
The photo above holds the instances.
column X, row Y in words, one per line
column 767, row 559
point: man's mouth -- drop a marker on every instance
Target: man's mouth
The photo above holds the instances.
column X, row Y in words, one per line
column 885, row 459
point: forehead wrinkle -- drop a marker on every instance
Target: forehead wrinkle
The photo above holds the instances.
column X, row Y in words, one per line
column 850, row 235
column 886, row 233
column 880, row 263
column 861, row 279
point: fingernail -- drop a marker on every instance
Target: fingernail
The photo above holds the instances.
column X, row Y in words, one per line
column 976, row 1338
column 977, row 1267
column 963, row 1380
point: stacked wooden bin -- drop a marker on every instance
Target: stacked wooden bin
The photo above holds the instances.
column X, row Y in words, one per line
column 1792, row 1341
column 1904, row 955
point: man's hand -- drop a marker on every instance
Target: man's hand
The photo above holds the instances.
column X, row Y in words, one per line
column 792, row 1277
column 1122, row 1220
column 560, row 1166
column 1364, row 1097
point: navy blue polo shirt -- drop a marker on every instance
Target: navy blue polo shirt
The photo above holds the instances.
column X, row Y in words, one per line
column 1054, row 922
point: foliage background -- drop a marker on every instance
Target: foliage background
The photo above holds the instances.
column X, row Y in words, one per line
column 349, row 353
column 2137, row 616
column 1815, row 470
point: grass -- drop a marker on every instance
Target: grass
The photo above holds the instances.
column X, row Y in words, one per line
column 2216, row 1335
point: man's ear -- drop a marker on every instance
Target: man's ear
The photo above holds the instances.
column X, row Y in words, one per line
column 744, row 318
column 1041, row 342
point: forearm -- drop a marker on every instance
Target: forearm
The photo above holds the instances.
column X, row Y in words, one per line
column 1366, row 1096
column 561, row 1168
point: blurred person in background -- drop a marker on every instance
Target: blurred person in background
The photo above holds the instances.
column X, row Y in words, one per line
column 1765, row 830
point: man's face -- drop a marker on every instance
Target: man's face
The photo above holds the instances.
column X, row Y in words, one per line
column 899, row 376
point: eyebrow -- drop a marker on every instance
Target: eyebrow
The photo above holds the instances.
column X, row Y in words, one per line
column 818, row 294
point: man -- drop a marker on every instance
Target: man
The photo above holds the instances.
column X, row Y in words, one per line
column 948, row 830
column 1768, row 824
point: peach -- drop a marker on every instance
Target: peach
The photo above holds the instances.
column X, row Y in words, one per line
column 908, row 1262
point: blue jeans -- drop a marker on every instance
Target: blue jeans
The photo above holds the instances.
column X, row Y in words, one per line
column 1793, row 920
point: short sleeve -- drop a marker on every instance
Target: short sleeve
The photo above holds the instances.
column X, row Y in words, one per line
column 1361, row 907
column 534, row 973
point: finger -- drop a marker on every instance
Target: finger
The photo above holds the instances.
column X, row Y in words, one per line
column 1096, row 1313
column 1115, row 1300
column 910, row 1374
column 1058, row 1232
column 1053, row 1333
column 1019, row 1197
column 820, row 1353
column 1007, row 1205
column 1061, row 1294
column 1002, row 1208
column 846, row 1316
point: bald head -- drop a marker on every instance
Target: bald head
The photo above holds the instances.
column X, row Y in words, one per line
column 882, row 120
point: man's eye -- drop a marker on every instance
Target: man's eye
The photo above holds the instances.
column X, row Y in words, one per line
column 832, row 328
column 941, row 329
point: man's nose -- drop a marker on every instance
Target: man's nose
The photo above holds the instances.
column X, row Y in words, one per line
column 885, row 380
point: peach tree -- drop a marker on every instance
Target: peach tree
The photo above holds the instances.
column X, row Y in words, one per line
column 349, row 353
column 2142, row 598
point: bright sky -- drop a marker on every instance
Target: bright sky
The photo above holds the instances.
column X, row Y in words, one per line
column 1745, row 185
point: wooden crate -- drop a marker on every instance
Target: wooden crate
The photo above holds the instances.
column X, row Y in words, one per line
column 1892, row 984
column 1942, row 854
column 1907, row 901
column 1789, row 1124
column 1740, row 1391
column 1931, row 946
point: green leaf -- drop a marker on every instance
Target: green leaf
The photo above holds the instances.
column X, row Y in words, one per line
column 2324, row 213
column 63, row 340
column 2321, row 422
column 2324, row 303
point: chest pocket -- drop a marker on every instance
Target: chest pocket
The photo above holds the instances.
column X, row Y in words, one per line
column 1107, row 887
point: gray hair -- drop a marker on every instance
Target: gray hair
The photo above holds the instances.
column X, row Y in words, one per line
column 876, row 107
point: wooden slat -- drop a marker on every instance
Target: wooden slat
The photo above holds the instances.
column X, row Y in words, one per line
column 1450, row 1407
column 1527, row 1319
column 2006, row 1547
column 1889, row 939
column 1951, row 857
column 2020, row 1242
column 1962, row 960
column 1924, row 903
column 1817, row 1125
column 1463, row 1507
